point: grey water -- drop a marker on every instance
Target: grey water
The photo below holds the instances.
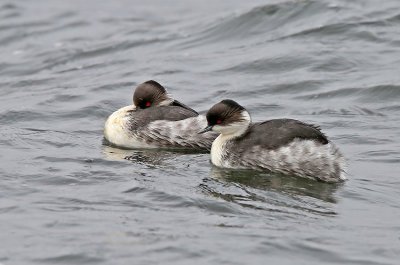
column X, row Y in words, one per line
column 68, row 198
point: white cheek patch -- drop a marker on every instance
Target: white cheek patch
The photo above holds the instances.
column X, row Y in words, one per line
column 234, row 129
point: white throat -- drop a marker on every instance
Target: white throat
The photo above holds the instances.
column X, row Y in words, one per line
column 228, row 132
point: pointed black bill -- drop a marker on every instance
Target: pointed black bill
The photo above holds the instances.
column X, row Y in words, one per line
column 207, row 129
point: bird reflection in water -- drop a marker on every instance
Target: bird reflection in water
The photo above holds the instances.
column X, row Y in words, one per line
column 149, row 157
column 278, row 182
column 282, row 193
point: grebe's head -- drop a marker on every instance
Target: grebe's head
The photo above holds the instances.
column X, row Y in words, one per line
column 150, row 94
column 227, row 117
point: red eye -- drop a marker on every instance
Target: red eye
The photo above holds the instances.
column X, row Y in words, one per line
column 148, row 104
column 218, row 121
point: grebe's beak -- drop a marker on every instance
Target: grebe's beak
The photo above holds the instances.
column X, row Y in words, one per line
column 207, row 129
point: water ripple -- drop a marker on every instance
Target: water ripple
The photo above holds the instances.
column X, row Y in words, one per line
column 67, row 65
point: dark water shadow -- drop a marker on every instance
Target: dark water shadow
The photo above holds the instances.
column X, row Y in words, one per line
column 148, row 157
column 290, row 186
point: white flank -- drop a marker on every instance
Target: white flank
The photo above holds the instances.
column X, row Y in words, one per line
column 116, row 130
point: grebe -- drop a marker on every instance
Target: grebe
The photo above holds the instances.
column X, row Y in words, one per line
column 281, row 145
column 156, row 120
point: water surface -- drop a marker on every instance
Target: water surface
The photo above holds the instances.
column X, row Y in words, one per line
column 67, row 198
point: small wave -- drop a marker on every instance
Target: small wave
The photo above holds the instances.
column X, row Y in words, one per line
column 385, row 93
column 107, row 87
column 294, row 87
column 385, row 156
column 334, row 64
column 392, row 108
column 268, row 20
column 13, row 116
column 269, row 65
column 8, row 6
column 79, row 258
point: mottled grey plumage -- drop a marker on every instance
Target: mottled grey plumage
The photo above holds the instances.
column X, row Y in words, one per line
column 170, row 128
column 302, row 157
column 282, row 145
